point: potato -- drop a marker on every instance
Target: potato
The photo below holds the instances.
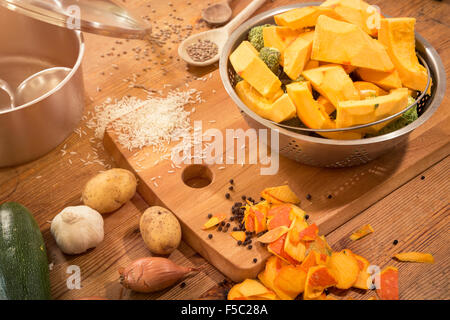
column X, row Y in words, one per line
column 160, row 230
column 109, row 190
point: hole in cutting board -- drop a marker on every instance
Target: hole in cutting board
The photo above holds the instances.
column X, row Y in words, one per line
column 197, row 176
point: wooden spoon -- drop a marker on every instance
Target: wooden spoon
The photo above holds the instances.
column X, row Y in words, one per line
column 218, row 36
column 218, row 14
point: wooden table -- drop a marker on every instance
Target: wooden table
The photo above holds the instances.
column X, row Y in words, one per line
column 416, row 214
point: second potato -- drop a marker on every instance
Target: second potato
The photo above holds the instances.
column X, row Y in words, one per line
column 160, row 230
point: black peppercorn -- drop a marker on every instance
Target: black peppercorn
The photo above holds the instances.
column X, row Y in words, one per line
column 243, row 198
column 219, row 228
column 255, row 260
column 330, row 196
column 250, row 247
column 183, row 284
column 422, row 177
column 306, row 216
column 239, row 242
column 230, row 188
column 395, row 242
column 210, row 236
column 231, row 181
column 308, row 197
column 227, row 195
column 210, row 216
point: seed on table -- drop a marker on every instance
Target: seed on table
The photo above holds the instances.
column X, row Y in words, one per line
column 308, row 197
column 395, row 242
column 230, row 188
column 227, row 195
column 306, row 216
column 210, row 236
column 255, row 260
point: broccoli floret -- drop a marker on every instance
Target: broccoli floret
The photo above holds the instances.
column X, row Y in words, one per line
column 271, row 58
column 255, row 36
column 408, row 117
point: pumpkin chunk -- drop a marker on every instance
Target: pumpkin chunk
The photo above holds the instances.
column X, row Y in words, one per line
column 397, row 35
column 351, row 113
column 305, row 17
column 357, row 12
column 238, row 235
column 386, row 80
column 250, row 67
column 332, row 41
column 318, row 279
column 333, row 83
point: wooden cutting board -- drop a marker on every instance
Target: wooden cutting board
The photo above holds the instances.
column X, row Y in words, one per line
column 352, row 189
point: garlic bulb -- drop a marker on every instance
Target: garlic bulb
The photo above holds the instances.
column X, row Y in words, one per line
column 77, row 229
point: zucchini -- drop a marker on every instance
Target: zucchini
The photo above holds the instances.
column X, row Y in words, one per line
column 24, row 273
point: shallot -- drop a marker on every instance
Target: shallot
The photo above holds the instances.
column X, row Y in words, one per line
column 152, row 274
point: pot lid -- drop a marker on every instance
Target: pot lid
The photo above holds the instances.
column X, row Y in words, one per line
column 105, row 17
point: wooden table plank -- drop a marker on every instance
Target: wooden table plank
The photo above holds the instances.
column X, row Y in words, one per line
column 49, row 184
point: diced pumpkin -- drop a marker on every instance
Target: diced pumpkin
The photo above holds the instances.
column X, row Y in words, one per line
column 363, row 276
column 368, row 90
column 326, row 105
column 351, row 113
column 318, row 279
column 281, row 194
column 279, row 110
column 388, row 284
column 238, row 235
column 250, row 67
column 386, row 80
column 291, row 279
column 311, row 64
column 347, row 68
column 333, row 83
column 357, row 12
column 361, row 232
column 279, row 38
column 308, row 109
column 415, row 257
column 282, row 109
column 304, row 17
column 296, row 55
column 345, row 268
column 214, row 221
column 397, row 35
column 345, row 43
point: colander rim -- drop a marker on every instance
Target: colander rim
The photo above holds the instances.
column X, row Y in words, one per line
column 430, row 54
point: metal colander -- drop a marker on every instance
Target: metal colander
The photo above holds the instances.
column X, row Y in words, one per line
column 307, row 147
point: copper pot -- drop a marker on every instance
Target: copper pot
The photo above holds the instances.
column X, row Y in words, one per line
column 29, row 46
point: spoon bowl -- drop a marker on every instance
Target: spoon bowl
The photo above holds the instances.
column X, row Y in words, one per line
column 39, row 84
column 218, row 36
column 218, row 14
